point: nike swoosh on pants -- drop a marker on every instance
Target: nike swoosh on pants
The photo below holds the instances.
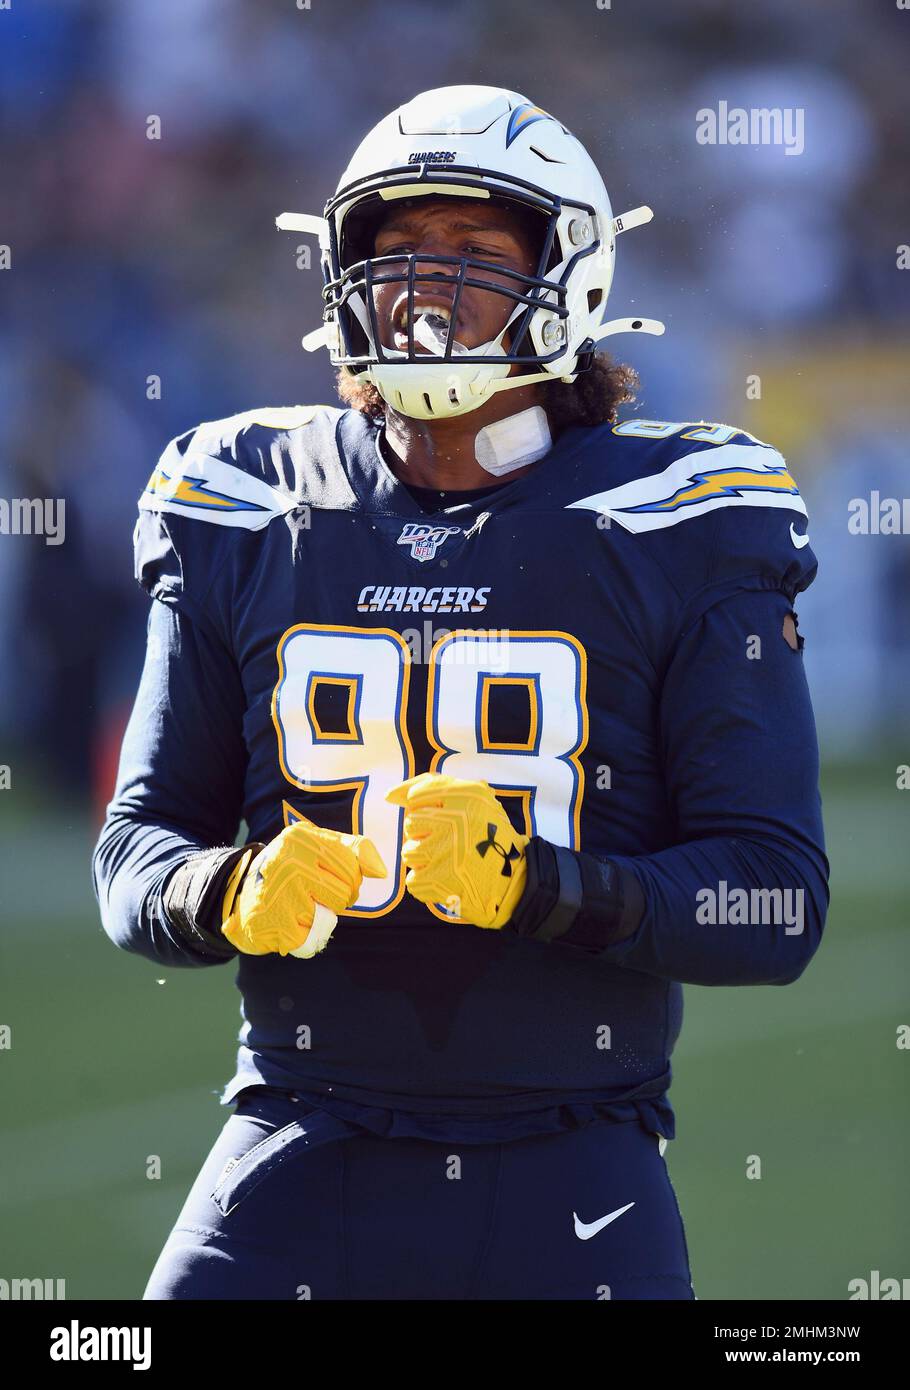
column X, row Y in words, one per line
column 585, row 1230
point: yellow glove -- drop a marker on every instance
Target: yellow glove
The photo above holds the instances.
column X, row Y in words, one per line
column 460, row 848
column 287, row 898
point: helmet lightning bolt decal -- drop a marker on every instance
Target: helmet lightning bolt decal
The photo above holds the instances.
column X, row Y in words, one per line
column 522, row 117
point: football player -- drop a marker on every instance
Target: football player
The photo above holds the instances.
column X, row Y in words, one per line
column 510, row 700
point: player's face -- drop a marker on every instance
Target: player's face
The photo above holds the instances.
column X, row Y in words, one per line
column 453, row 227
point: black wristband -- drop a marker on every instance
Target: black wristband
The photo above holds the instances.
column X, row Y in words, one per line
column 576, row 899
column 193, row 897
column 567, row 906
column 541, row 893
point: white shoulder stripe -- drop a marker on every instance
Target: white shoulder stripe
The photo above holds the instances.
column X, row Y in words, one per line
column 214, row 436
column 728, row 475
column 197, row 485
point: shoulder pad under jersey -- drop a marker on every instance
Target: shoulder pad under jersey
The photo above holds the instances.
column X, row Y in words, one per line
column 248, row 468
column 670, row 472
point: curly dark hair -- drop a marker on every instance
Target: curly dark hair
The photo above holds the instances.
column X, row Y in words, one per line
column 592, row 399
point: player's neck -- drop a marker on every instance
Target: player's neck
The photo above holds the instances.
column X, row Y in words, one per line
column 441, row 453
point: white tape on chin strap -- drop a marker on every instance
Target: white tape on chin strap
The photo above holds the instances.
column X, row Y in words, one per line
column 323, row 925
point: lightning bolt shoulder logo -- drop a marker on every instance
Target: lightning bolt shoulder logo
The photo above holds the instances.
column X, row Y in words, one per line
column 199, row 485
column 722, row 483
column 197, row 492
column 727, row 475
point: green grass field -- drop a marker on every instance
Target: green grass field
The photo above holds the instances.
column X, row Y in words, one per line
column 114, row 1059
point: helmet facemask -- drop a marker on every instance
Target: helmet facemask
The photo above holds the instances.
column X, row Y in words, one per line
column 363, row 270
column 450, row 377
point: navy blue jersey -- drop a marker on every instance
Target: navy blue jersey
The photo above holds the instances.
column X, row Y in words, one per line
column 601, row 640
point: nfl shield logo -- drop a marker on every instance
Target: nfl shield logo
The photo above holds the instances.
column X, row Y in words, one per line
column 424, row 540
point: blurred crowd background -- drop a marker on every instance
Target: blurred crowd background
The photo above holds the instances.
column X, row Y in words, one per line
column 136, row 258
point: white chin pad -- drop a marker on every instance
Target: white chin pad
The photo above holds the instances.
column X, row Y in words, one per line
column 432, row 332
column 514, row 442
column 323, row 925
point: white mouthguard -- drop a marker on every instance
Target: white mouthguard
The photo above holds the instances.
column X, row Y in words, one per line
column 432, row 332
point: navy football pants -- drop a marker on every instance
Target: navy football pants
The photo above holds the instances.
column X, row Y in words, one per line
column 292, row 1203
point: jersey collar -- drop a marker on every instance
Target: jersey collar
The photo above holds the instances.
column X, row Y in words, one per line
column 378, row 490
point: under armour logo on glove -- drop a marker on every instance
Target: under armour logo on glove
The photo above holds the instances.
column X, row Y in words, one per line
column 492, row 843
column 450, row 824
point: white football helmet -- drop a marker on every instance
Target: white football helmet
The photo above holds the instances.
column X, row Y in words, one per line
column 469, row 142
